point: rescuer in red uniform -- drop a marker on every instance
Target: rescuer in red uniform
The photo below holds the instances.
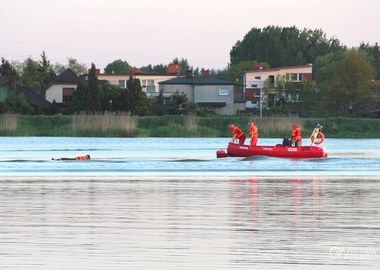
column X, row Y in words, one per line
column 296, row 135
column 237, row 134
column 253, row 132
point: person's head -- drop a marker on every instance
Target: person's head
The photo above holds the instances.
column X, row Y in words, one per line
column 251, row 123
column 232, row 126
column 88, row 156
column 295, row 125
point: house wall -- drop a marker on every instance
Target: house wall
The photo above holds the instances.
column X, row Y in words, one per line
column 254, row 81
column 213, row 93
column 170, row 89
column 55, row 92
column 4, row 92
column 254, row 77
column 205, row 93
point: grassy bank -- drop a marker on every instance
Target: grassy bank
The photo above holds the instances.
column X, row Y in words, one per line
column 123, row 125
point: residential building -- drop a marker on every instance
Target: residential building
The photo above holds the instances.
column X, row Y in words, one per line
column 209, row 93
column 260, row 86
column 7, row 85
column 61, row 90
column 149, row 82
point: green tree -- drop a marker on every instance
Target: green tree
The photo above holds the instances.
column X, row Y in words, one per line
column 184, row 65
column 117, row 67
column 156, row 69
column 79, row 101
column 345, row 83
column 46, row 71
column 6, row 69
column 373, row 53
column 74, row 65
column 93, row 90
column 234, row 71
column 30, row 77
column 135, row 99
column 111, row 98
column 282, row 46
column 36, row 75
column 16, row 104
column 158, row 105
column 178, row 103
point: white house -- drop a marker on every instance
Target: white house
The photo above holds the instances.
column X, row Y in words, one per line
column 62, row 88
column 254, row 80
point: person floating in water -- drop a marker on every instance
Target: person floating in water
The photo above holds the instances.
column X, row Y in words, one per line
column 86, row 157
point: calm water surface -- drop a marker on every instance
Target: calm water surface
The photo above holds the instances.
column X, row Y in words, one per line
column 160, row 203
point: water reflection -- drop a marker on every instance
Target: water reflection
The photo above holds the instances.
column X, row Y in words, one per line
column 293, row 220
column 279, row 196
column 180, row 223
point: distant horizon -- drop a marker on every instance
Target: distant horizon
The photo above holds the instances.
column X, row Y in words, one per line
column 153, row 33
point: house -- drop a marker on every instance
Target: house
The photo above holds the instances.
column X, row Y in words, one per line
column 62, row 89
column 210, row 93
column 149, row 82
column 5, row 87
column 260, row 85
column 38, row 102
column 35, row 100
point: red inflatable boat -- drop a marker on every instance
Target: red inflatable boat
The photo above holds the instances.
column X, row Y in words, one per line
column 236, row 150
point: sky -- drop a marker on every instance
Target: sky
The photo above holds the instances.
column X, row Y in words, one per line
column 144, row 32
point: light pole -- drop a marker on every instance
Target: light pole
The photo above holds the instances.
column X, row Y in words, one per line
column 261, row 94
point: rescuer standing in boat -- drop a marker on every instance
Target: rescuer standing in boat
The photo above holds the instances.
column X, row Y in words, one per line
column 253, row 132
column 296, row 135
column 237, row 134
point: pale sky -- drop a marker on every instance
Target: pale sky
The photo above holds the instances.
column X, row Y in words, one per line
column 144, row 32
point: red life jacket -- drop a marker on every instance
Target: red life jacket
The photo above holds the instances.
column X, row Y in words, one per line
column 297, row 134
column 237, row 132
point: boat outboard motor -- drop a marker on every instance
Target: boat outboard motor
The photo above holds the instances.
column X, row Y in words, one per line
column 286, row 142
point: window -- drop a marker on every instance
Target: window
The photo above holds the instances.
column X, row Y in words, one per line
column 257, row 77
column 150, row 88
column 296, row 77
column 67, row 94
column 122, row 83
column 224, row 92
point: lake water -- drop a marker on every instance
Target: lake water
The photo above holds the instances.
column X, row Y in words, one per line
column 169, row 203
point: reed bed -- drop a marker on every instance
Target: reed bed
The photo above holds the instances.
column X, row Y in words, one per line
column 176, row 126
column 124, row 125
column 8, row 123
column 106, row 124
column 191, row 122
column 267, row 126
column 280, row 126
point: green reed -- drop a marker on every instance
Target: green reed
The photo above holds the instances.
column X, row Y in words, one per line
column 8, row 124
column 106, row 124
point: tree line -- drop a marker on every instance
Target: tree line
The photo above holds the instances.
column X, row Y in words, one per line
column 93, row 97
column 344, row 78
